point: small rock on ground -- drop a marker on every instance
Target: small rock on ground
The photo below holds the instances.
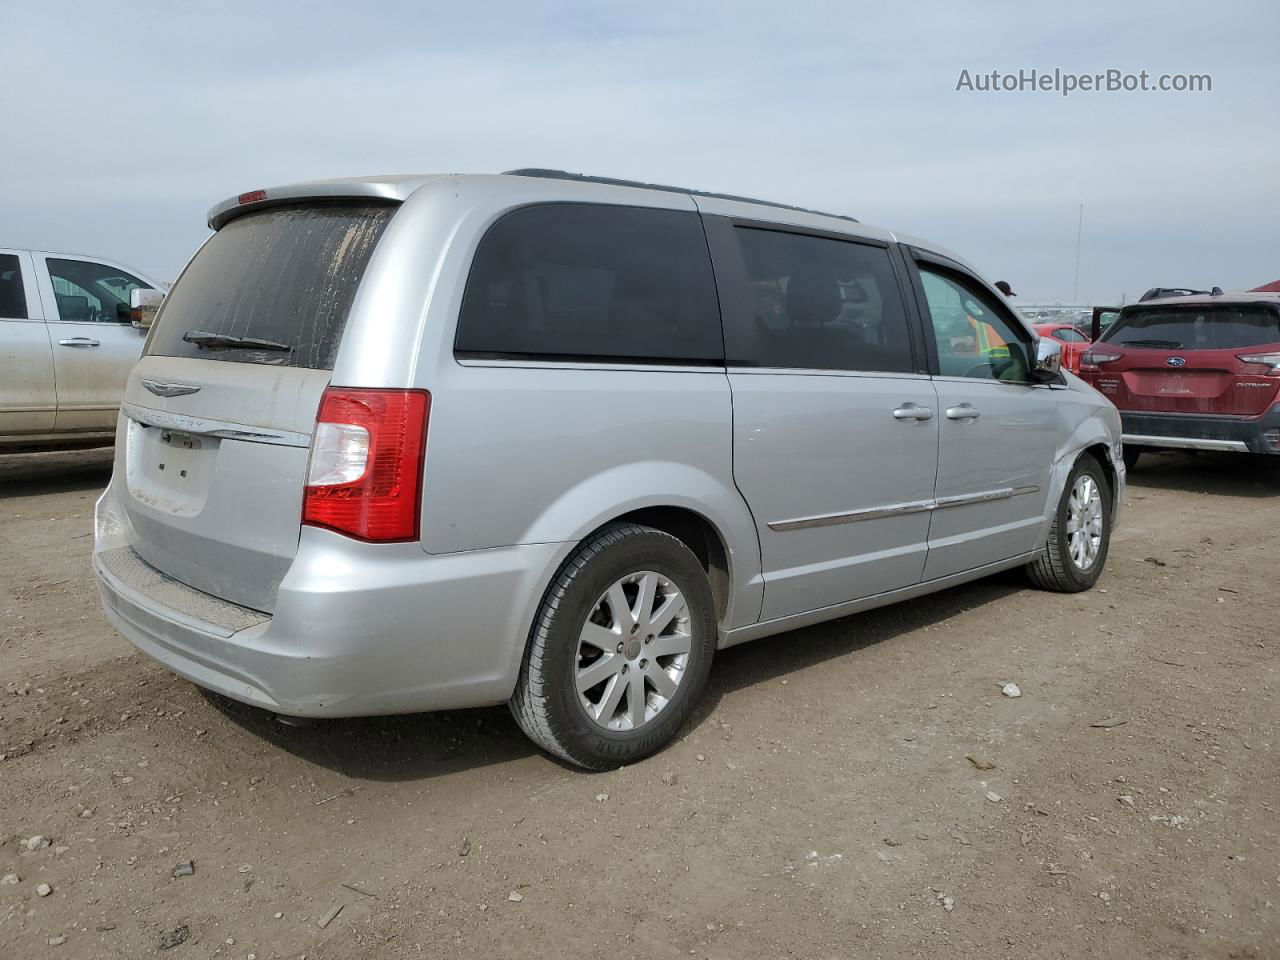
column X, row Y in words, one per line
column 171, row 938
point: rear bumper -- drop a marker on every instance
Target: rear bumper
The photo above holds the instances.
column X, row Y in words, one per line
column 1184, row 431
column 358, row 629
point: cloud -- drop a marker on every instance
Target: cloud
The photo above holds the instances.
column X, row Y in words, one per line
column 136, row 118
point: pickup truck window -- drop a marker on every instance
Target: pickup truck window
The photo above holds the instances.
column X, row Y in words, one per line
column 13, row 298
column 91, row 292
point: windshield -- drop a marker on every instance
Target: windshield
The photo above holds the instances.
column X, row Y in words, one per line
column 272, row 287
column 1209, row 328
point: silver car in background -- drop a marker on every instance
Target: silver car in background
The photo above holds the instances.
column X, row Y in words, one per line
column 416, row 443
column 71, row 328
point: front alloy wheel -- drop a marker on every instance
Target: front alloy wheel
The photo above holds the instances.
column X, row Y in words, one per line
column 1084, row 522
column 1076, row 551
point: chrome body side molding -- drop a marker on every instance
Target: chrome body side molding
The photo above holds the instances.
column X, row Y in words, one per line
column 901, row 509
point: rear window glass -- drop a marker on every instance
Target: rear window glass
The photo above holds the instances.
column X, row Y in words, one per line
column 822, row 304
column 1215, row 328
column 13, row 299
column 594, row 282
column 272, row 287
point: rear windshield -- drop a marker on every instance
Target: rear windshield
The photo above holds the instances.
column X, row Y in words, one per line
column 1190, row 328
column 272, row 287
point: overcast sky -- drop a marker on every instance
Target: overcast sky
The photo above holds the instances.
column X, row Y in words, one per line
column 124, row 122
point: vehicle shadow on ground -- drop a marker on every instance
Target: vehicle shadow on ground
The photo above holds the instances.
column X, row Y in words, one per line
column 1217, row 474
column 428, row 745
column 62, row 471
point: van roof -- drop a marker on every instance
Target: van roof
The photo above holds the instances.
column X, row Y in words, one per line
column 398, row 187
column 614, row 182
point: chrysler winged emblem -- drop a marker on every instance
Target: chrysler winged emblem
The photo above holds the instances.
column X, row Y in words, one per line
column 163, row 389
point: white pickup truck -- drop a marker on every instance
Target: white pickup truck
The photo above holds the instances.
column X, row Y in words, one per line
column 68, row 338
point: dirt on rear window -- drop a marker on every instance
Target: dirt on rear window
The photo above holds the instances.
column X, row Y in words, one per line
column 272, row 287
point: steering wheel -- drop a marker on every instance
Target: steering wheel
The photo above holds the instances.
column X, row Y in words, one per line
column 993, row 363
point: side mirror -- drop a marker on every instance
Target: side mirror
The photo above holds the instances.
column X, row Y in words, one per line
column 143, row 305
column 1048, row 365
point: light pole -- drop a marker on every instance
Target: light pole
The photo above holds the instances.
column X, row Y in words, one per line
column 1075, row 289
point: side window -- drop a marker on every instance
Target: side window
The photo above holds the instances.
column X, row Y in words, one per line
column 974, row 338
column 1067, row 335
column 588, row 281
column 822, row 304
column 13, row 297
column 93, row 292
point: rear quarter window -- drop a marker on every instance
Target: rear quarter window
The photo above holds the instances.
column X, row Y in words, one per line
column 592, row 282
column 285, row 276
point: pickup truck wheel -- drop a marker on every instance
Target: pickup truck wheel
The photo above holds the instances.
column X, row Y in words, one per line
column 620, row 649
column 1076, row 551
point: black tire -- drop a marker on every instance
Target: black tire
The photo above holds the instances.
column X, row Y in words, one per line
column 546, row 704
column 1131, row 455
column 1054, row 569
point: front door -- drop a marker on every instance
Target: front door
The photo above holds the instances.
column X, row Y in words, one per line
column 834, row 421
column 998, row 431
column 94, row 344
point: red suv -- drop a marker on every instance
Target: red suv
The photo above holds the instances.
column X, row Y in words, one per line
column 1197, row 372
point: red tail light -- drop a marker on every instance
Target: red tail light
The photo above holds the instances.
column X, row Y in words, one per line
column 1091, row 360
column 365, row 474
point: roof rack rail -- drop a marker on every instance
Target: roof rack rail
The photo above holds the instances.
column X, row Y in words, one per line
column 549, row 174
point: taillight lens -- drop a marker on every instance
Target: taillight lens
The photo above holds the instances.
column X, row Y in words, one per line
column 1092, row 359
column 1272, row 360
column 364, row 478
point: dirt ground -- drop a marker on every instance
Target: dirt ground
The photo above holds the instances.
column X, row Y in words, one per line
column 857, row 789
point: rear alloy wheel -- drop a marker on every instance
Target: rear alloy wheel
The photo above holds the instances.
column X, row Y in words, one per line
column 620, row 650
column 633, row 651
column 1076, row 551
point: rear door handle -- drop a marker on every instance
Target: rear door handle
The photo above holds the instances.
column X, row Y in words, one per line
column 909, row 411
column 78, row 342
column 966, row 411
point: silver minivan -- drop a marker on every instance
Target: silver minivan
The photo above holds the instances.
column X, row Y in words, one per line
column 415, row 443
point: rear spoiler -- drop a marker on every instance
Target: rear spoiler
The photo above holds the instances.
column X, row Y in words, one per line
column 391, row 190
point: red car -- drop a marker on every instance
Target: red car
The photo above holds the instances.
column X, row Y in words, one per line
column 1074, row 343
column 1198, row 373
